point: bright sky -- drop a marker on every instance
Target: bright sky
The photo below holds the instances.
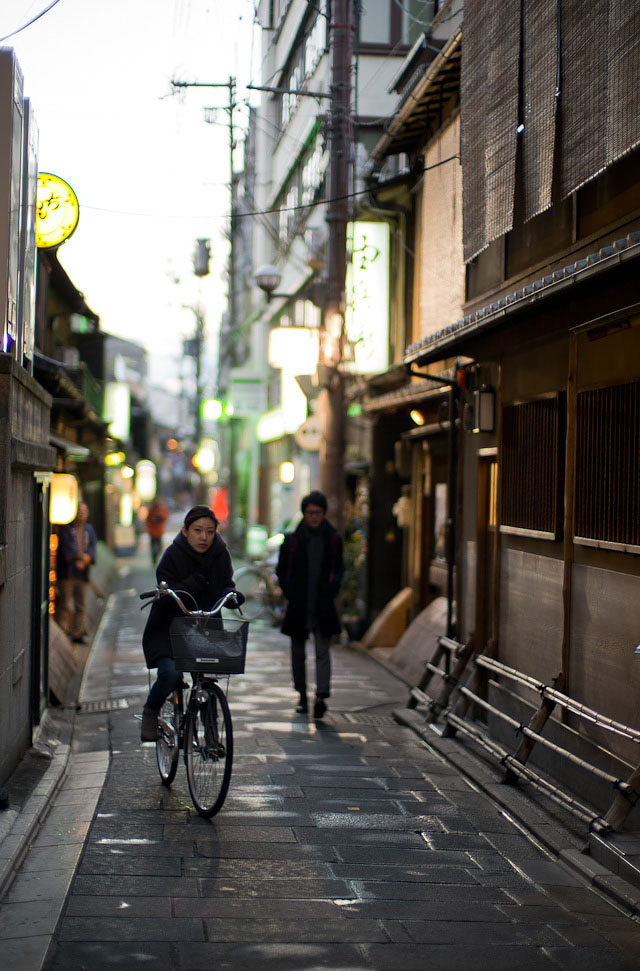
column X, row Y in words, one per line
column 151, row 176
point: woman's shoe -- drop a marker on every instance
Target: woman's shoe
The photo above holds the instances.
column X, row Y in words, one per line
column 149, row 730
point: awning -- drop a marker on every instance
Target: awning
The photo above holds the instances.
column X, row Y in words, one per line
column 410, row 394
column 71, row 449
column 448, row 341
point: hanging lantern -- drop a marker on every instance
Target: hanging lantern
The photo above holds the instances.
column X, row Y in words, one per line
column 63, row 504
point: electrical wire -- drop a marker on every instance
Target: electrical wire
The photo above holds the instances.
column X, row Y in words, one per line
column 265, row 212
column 29, row 22
column 416, row 20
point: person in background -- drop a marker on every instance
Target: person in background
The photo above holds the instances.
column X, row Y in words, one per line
column 310, row 570
column 197, row 565
column 76, row 553
column 157, row 515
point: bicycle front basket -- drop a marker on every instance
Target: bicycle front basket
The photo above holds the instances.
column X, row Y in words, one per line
column 215, row 645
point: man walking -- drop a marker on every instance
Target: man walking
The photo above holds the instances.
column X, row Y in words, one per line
column 310, row 571
column 77, row 551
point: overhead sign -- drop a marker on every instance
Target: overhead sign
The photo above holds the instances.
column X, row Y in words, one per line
column 309, row 434
column 367, row 315
column 57, row 211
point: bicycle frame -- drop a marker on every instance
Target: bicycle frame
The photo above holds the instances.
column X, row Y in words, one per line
column 199, row 723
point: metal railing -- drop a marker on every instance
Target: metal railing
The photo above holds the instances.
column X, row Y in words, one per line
column 447, row 666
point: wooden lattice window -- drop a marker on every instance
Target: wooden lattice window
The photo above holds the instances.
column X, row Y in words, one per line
column 532, row 440
column 607, row 505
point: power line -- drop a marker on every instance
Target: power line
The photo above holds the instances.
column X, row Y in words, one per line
column 29, row 22
column 262, row 212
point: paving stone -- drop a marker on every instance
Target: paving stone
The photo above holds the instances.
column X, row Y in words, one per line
column 439, row 908
column 28, row 919
column 25, row 954
column 95, row 956
column 300, row 930
column 479, row 957
column 280, row 888
column 239, row 850
column 259, row 869
column 592, row 959
column 272, row 957
column 124, row 886
column 467, row 933
column 356, row 836
column 45, row 858
column 79, row 905
column 257, row 908
column 409, row 873
column 425, row 890
column 419, row 853
column 116, row 862
column 31, row 885
column 262, row 834
column 139, row 929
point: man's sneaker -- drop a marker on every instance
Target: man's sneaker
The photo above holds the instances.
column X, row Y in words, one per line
column 319, row 708
column 149, row 730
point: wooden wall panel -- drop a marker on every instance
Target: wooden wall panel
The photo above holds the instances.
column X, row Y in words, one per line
column 531, row 614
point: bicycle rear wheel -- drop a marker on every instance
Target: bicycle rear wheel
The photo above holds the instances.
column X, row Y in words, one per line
column 208, row 750
column 167, row 743
column 252, row 583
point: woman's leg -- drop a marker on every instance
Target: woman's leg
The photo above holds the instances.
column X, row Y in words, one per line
column 167, row 681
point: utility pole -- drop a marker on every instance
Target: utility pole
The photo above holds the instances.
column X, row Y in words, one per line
column 331, row 399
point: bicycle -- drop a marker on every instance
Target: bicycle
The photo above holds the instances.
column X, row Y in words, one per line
column 263, row 596
column 205, row 644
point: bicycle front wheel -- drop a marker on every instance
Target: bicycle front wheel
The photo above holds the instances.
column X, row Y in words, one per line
column 208, row 750
column 167, row 744
column 252, row 583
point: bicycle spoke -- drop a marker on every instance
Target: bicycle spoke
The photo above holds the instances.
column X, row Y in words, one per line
column 208, row 751
column 167, row 742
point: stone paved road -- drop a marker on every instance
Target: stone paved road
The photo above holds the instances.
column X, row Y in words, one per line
column 345, row 844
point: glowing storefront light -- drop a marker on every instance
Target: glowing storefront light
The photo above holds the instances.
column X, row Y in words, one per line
column 294, row 349
column 57, row 211
column 287, row 472
column 117, row 409
column 63, row 504
column 212, row 409
column 145, row 479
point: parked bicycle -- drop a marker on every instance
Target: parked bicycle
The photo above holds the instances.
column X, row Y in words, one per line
column 263, row 596
column 196, row 718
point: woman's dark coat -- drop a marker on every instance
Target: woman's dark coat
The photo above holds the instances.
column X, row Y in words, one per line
column 206, row 576
column 292, row 573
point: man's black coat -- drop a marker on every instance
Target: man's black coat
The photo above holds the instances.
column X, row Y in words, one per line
column 206, row 576
column 293, row 572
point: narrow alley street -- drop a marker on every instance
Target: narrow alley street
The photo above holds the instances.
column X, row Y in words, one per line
column 344, row 844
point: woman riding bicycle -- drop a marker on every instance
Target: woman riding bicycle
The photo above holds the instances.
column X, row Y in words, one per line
column 198, row 562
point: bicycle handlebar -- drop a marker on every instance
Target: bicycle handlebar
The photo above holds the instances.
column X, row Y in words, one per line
column 164, row 590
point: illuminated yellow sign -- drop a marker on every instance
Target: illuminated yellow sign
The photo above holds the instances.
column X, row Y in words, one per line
column 56, row 211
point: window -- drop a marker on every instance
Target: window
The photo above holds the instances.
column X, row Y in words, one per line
column 532, row 438
column 303, row 63
column 375, row 22
column 607, row 505
column 303, row 185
